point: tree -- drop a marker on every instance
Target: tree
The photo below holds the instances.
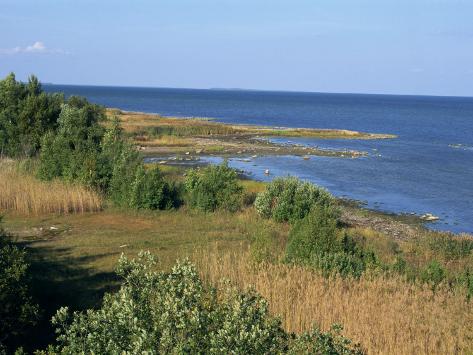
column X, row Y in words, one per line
column 26, row 113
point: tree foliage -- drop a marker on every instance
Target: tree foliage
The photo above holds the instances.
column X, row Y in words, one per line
column 16, row 307
column 72, row 152
column 26, row 114
column 81, row 150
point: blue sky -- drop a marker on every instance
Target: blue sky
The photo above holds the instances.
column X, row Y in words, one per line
column 376, row 46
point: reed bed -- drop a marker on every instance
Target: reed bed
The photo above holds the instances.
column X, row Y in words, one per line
column 386, row 315
column 24, row 194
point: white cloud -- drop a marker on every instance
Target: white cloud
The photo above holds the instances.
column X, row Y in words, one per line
column 36, row 47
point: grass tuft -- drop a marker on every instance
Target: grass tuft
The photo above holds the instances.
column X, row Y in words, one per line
column 24, row 194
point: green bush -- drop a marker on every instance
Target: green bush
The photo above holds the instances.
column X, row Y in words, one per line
column 214, row 187
column 150, row 191
column 127, row 181
column 400, row 265
column 176, row 313
column 433, row 273
column 17, row 310
column 290, row 199
column 316, row 241
column 330, row 343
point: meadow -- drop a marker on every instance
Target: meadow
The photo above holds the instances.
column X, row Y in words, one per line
column 73, row 257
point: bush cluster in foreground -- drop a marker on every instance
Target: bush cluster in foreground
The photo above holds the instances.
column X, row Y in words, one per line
column 175, row 312
column 17, row 310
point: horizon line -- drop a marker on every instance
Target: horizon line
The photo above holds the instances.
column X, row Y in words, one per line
column 258, row 90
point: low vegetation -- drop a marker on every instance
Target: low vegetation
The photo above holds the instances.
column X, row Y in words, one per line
column 24, row 194
column 387, row 314
column 144, row 127
column 176, row 312
column 160, row 135
column 317, row 242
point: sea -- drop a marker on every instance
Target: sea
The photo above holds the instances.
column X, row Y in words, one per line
column 428, row 168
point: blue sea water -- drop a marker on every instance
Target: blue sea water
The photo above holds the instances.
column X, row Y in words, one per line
column 427, row 169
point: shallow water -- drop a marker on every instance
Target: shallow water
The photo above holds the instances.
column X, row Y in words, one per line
column 427, row 169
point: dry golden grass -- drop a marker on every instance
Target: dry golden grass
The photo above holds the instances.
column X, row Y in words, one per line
column 170, row 141
column 25, row 194
column 135, row 121
column 386, row 315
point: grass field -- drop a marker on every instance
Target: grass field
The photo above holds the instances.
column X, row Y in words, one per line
column 73, row 257
column 73, row 264
column 386, row 315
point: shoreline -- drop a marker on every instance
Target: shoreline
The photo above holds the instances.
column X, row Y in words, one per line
column 159, row 135
column 399, row 226
column 168, row 141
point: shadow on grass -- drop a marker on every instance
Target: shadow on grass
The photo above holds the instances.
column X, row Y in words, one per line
column 59, row 279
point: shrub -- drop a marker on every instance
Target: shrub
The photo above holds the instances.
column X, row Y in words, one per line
column 400, row 265
column 17, row 309
column 176, row 313
column 317, row 241
column 214, row 187
column 150, row 191
column 290, row 199
column 123, row 172
column 318, row 342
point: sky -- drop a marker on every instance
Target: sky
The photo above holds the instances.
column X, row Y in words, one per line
column 362, row 46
